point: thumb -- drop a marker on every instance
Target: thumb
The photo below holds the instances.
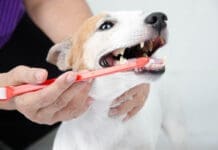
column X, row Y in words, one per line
column 24, row 74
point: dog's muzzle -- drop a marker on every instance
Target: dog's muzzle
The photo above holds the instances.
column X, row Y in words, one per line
column 143, row 49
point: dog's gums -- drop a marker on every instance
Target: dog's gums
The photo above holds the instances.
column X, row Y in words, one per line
column 143, row 49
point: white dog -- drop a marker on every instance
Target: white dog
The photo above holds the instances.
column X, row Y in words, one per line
column 105, row 40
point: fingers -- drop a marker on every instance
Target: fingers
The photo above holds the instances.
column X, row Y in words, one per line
column 128, row 94
column 139, row 101
column 30, row 103
column 130, row 102
column 131, row 113
column 23, row 74
column 72, row 97
column 77, row 106
column 69, row 112
column 20, row 75
column 123, row 108
column 50, row 94
column 47, row 95
column 62, row 100
column 136, row 102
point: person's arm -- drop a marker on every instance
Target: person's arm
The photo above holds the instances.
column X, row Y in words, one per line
column 59, row 19
column 19, row 75
column 62, row 100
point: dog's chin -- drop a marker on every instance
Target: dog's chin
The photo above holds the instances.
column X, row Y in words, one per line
column 148, row 48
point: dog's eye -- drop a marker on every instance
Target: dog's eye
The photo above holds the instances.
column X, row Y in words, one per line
column 106, row 25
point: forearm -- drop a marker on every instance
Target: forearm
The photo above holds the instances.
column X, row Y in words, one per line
column 58, row 19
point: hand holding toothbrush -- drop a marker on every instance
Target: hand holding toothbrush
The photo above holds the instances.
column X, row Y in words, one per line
column 62, row 100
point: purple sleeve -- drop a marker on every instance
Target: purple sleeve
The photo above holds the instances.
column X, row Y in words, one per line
column 11, row 12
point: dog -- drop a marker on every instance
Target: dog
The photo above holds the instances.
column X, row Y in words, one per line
column 105, row 40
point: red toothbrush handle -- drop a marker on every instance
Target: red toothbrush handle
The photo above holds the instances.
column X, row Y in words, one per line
column 136, row 63
column 30, row 87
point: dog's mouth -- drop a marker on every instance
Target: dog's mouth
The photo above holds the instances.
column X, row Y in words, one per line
column 143, row 49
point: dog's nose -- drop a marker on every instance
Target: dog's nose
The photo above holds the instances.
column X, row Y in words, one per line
column 157, row 20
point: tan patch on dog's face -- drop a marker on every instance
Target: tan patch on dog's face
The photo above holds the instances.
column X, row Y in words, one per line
column 75, row 57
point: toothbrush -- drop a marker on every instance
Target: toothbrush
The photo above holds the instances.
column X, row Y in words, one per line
column 8, row 92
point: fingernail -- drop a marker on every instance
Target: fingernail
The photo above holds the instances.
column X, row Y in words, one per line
column 70, row 78
column 39, row 76
column 113, row 112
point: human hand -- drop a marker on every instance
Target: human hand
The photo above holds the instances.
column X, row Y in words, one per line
column 62, row 100
column 130, row 102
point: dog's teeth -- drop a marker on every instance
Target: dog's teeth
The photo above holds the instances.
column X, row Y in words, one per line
column 122, row 60
column 136, row 70
column 118, row 52
column 139, row 70
column 104, row 63
column 142, row 45
column 122, row 51
column 145, row 55
column 150, row 46
column 101, row 63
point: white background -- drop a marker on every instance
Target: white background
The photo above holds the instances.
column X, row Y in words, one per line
column 192, row 71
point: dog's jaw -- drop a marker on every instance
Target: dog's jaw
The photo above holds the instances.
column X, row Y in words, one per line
column 90, row 43
column 129, row 30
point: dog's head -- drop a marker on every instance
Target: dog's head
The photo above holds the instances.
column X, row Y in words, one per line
column 109, row 39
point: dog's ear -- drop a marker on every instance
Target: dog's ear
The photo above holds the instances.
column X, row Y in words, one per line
column 57, row 54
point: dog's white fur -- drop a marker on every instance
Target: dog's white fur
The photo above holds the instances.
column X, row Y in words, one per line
column 94, row 130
